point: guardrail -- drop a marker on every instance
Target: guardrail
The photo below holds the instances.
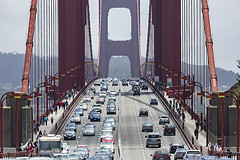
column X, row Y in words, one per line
column 65, row 115
column 119, row 129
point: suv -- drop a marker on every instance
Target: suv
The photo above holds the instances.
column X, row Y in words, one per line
column 175, row 146
column 153, row 101
column 143, row 111
column 169, row 129
column 162, row 154
column 153, row 139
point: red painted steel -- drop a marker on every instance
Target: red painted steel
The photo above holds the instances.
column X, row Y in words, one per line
column 209, row 45
column 29, row 46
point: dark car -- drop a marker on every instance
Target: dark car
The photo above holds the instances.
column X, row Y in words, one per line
column 79, row 111
column 161, row 154
column 144, row 87
column 143, row 111
column 90, row 113
column 111, row 110
column 95, row 117
column 69, row 134
column 70, row 126
column 174, row 146
column 169, row 129
column 136, row 92
column 153, row 101
column 125, row 83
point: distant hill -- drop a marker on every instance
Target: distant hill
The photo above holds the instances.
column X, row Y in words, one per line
column 11, row 69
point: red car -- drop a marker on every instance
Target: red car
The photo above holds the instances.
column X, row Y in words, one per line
column 108, row 139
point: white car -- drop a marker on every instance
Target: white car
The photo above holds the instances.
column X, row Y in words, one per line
column 103, row 94
column 113, row 93
column 84, row 106
column 111, row 96
column 86, row 99
column 108, row 145
column 192, row 155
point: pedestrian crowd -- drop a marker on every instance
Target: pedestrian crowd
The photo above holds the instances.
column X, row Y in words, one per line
column 178, row 106
column 216, row 150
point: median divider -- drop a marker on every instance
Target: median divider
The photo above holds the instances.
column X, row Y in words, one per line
column 119, row 128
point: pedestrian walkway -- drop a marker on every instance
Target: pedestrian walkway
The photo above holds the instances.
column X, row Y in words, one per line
column 43, row 127
column 190, row 126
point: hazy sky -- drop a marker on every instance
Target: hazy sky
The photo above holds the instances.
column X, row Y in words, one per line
column 224, row 16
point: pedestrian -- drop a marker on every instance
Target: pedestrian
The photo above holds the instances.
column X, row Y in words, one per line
column 183, row 117
column 229, row 153
column 52, row 119
column 44, row 133
column 45, row 120
column 35, row 128
column 22, row 148
column 66, row 104
column 51, row 110
column 40, row 133
column 42, row 120
column 1, row 155
column 56, row 110
column 30, row 142
column 30, row 149
column 197, row 124
column 170, row 102
column 196, row 133
column 209, row 148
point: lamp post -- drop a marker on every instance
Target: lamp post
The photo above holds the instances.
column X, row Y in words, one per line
column 16, row 106
column 4, row 97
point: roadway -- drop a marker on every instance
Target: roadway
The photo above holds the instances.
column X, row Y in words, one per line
column 132, row 138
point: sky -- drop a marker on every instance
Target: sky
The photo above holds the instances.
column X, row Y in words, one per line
column 224, row 17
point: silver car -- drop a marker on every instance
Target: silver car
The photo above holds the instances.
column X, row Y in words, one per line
column 153, row 139
column 75, row 118
column 147, row 126
column 84, row 106
column 88, row 131
column 111, row 120
column 105, row 134
column 86, row 99
column 164, row 119
column 108, row 124
column 180, row 152
column 192, row 155
column 108, row 145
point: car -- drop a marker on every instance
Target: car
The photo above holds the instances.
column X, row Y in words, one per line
column 174, row 146
column 84, row 106
column 95, row 117
column 108, row 139
column 88, row 130
column 115, row 83
column 90, row 114
column 111, row 110
column 100, row 157
column 161, row 154
column 147, row 126
column 111, row 120
column 164, row 119
column 113, row 92
column 97, row 83
column 153, row 139
column 213, row 158
column 110, row 124
column 76, row 156
column 79, row 111
column 135, row 87
column 111, row 103
column 105, row 134
column 86, row 99
column 124, row 83
column 90, row 94
column 107, row 128
column 60, row 156
column 82, row 148
column 70, row 126
column 153, row 101
column 69, row 134
column 143, row 111
column 105, row 151
column 112, row 96
column 192, row 155
column 108, row 145
column 144, row 87
column 136, row 92
column 169, row 129
column 102, row 94
column 100, row 100
column 75, row 118
column 97, row 108
column 180, row 152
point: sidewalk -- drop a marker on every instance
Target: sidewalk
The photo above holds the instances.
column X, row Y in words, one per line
column 189, row 126
column 55, row 116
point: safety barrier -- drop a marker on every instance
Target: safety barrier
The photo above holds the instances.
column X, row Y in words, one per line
column 65, row 115
column 119, row 129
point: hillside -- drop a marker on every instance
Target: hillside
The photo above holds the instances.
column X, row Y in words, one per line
column 11, row 69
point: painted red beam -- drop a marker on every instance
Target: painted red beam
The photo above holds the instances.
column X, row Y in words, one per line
column 209, row 45
column 29, row 46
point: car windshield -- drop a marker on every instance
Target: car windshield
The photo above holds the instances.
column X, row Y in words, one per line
column 153, row 136
column 164, row 117
column 71, row 124
column 193, row 152
column 95, row 114
column 70, row 131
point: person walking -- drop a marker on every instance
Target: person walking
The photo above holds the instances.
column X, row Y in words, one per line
column 45, row 120
column 229, row 153
column 183, row 117
column 52, row 120
column 196, row 133
column 44, row 133
column 40, row 133
column 51, row 110
column 197, row 124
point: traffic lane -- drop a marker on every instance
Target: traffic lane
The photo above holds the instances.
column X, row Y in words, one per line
column 132, row 145
column 155, row 114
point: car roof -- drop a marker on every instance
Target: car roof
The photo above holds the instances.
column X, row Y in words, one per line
column 149, row 123
column 176, row 144
column 181, row 149
column 143, row 109
column 162, row 151
column 153, row 133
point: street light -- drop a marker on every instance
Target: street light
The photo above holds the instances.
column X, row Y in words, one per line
column 4, row 97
